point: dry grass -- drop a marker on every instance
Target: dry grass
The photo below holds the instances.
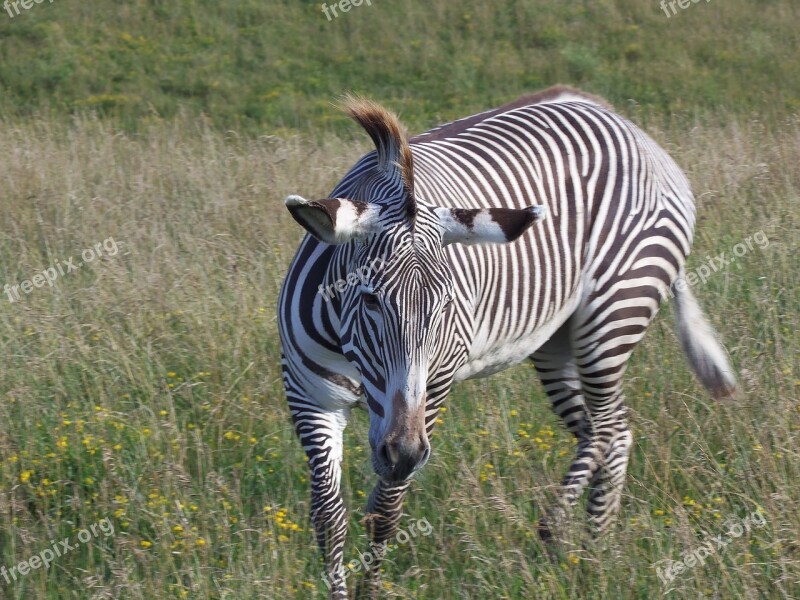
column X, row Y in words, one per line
column 145, row 388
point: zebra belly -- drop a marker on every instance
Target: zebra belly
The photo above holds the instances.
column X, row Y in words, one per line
column 484, row 361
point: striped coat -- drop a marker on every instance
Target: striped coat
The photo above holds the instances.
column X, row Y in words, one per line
column 548, row 229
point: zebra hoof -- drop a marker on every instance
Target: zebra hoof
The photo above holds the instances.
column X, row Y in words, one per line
column 558, row 532
column 552, row 525
column 544, row 531
column 368, row 589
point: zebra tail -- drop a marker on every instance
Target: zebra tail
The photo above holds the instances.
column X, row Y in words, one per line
column 706, row 356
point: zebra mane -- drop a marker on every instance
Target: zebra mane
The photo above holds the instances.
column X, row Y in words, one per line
column 557, row 93
column 391, row 143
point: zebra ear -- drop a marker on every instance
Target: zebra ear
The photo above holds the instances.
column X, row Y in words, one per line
column 334, row 220
column 486, row 225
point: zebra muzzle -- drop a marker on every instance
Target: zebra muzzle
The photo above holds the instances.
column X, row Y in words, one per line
column 405, row 447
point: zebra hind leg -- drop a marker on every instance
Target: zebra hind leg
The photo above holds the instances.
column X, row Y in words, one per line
column 605, row 490
column 559, row 376
column 599, row 425
column 603, row 343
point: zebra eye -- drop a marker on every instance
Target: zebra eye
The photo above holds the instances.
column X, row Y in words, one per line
column 448, row 300
column 370, row 300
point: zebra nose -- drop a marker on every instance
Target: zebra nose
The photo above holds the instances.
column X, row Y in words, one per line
column 402, row 458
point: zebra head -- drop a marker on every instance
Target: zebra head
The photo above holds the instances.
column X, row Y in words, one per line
column 396, row 315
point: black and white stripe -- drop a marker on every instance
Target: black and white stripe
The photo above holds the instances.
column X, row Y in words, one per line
column 547, row 229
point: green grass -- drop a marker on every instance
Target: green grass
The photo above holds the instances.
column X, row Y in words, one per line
column 144, row 388
column 265, row 67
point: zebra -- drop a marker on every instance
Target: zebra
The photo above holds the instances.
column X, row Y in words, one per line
column 548, row 229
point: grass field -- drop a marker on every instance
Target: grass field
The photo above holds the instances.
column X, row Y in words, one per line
column 141, row 392
column 275, row 66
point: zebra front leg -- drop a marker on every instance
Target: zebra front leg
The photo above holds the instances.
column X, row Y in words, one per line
column 320, row 434
column 385, row 504
column 384, row 509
